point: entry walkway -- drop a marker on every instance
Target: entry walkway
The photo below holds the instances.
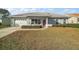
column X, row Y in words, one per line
column 6, row 31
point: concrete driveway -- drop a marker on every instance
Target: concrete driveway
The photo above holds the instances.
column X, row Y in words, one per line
column 6, row 31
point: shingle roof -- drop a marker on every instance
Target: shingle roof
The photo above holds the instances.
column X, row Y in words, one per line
column 38, row 14
column 74, row 14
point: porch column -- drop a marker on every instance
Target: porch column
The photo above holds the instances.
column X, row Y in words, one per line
column 46, row 23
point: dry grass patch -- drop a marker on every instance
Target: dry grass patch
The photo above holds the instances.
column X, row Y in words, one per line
column 51, row 38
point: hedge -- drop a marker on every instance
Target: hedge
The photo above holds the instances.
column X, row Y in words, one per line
column 67, row 25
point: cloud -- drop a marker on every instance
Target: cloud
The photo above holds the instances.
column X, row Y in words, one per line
column 51, row 10
column 17, row 10
column 69, row 10
column 25, row 10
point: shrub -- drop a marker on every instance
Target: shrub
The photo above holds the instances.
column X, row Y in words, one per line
column 4, row 26
column 58, row 25
column 67, row 25
column 72, row 25
column 24, row 26
column 0, row 23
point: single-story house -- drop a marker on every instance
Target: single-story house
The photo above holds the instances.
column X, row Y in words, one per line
column 37, row 19
column 73, row 18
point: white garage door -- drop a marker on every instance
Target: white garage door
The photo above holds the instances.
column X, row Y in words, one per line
column 21, row 22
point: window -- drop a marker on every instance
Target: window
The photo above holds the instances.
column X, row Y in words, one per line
column 35, row 21
column 78, row 19
column 52, row 21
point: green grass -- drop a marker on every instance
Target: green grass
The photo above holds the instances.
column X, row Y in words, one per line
column 67, row 25
column 4, row 26
column 72, row 25
column 55, row 38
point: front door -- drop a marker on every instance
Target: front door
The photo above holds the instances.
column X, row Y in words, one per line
column 44, row 23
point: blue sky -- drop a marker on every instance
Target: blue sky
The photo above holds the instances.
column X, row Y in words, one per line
column 14, row 11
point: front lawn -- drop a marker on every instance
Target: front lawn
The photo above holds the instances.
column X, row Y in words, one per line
column 4, row 26
column 49, row 39
column 72, row 25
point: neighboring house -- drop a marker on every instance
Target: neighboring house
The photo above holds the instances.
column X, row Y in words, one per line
column 73, row 19
column 37, row 19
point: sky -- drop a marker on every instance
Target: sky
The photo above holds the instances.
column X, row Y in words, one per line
column 14, row 11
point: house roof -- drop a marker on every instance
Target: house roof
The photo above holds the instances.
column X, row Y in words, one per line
column 74, row 14
column 38, row 14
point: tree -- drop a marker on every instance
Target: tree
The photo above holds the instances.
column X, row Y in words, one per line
column 4, row 12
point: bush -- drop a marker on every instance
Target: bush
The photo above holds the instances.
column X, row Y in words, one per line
column 0, row 23
column 4, row 26
column 24, row 26
column 58, row 25
column 67, row 25
column 72, row 25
